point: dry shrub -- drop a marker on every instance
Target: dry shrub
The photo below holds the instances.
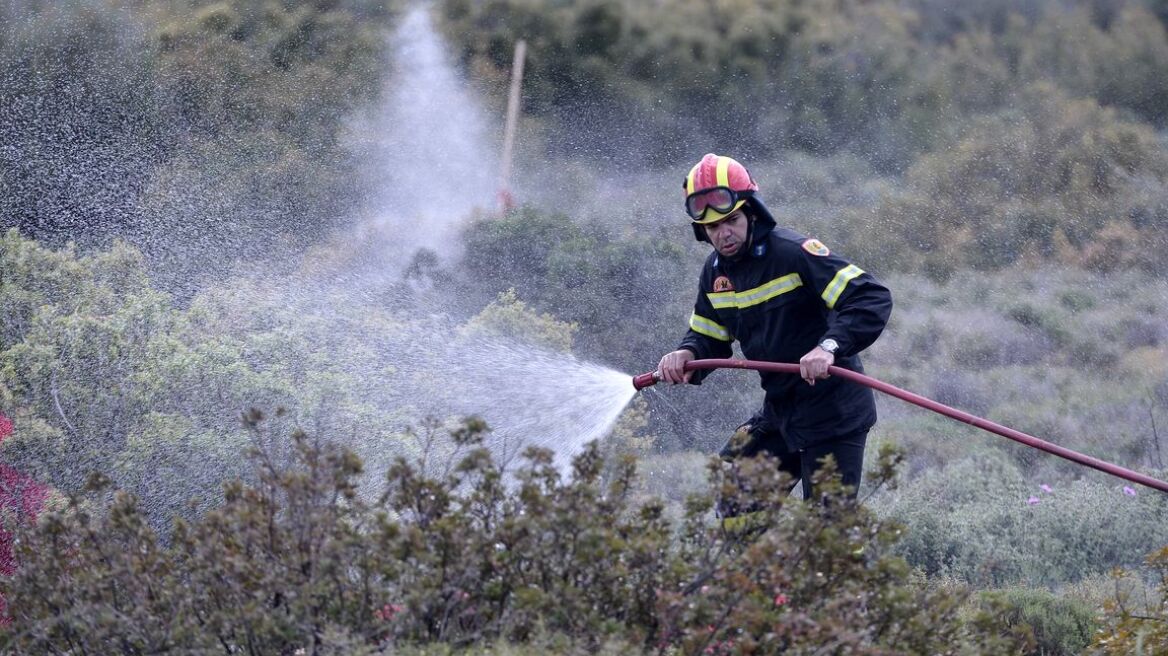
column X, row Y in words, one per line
column 1137, row 618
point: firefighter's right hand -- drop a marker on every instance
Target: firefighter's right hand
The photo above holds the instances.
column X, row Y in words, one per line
column 671, row 369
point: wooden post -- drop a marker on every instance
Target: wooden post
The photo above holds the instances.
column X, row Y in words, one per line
column 512, row 121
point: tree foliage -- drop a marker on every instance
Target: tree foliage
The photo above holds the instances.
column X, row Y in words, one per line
column 1013, row 133
column 1057, row 179
column 887, row 80
column 104, row 373
column 588, row 275
column 819, row 76
column 201, row 131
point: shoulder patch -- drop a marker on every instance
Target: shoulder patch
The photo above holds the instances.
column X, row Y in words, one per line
column 723, row 284
column 816, row 247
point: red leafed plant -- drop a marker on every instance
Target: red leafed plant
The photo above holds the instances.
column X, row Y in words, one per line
column 21, row 498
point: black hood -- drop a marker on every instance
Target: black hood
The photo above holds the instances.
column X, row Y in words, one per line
column 763, row 220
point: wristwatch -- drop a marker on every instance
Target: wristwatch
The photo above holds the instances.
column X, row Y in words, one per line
column 829, row 345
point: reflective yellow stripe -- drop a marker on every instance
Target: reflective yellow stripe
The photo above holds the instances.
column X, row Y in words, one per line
column 752, row 521
column 760, row 294
column 721, row 300
column 836, row 287
column 723, row 171
column 689, row 179
column 704, row 326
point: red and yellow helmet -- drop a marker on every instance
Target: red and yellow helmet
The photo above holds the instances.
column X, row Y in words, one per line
column 716, row 187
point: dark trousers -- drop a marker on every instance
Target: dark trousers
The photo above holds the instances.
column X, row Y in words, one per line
column 802, row 465
column 848, row 452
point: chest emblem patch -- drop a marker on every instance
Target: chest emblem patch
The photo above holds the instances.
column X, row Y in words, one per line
column 723, row 284
column 816, row 247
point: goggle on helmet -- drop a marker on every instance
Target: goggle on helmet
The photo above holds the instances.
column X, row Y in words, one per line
column 715, row 188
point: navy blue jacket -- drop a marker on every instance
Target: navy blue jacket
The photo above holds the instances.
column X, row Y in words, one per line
column 780, row 300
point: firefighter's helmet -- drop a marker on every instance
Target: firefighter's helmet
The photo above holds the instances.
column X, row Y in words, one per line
column 716, row 187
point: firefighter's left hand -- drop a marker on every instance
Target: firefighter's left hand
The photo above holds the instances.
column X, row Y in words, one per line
column 814, row 365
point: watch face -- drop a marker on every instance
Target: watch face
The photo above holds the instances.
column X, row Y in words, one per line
column 829, row 345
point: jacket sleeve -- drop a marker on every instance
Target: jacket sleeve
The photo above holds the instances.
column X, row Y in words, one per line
column 859, row 306
column 706, row 337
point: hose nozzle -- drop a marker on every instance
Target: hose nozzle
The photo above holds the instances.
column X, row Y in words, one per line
column 645, row 380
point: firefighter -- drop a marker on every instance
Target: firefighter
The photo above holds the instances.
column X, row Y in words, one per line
column 785, row 298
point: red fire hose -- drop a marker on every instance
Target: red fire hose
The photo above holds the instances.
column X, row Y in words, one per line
column 645, row 380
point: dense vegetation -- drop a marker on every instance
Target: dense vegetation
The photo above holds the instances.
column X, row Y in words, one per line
column 166, row 433
column 214, row 123
column 299, row 561
column 886, row 78
column 1002, row 165
column 1021, row 131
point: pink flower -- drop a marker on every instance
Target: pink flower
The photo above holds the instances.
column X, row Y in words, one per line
column 720, row 647
column 781, row 599
column 1129, row 491
column 1045, row 488
column 1033, row 500
column 386, row 612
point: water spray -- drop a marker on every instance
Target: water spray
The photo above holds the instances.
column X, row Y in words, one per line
column 651, row 378
column 506, row 201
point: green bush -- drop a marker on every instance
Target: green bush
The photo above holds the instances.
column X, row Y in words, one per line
column 1055, row 179
column 104, row 373
column 83, row 132
column 1060, row 627
column 979, row 519
column 798, row 74
column 209, row 132
column 1120, row 61
column 885, row 80
column 462, row 555
column 625, row 288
